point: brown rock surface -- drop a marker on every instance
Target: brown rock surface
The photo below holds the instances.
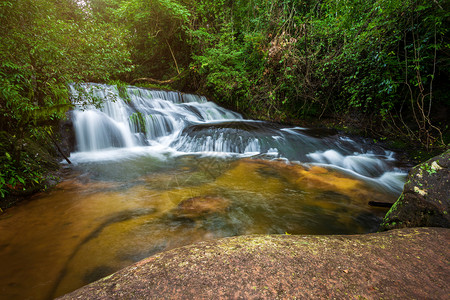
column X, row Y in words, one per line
column 411, row 263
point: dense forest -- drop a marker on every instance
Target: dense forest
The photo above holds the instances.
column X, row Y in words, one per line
column 382, row 66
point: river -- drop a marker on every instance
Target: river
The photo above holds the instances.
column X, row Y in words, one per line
column 155, row 170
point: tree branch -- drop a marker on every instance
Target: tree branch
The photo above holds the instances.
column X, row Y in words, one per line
column 152, row 80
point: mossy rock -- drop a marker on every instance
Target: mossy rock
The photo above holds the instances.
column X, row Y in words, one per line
column 67, row 139
column 425, row 201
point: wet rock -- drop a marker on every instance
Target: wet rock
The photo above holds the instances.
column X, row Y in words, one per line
column 320, row 132
column 425, row 200
column 200, row 206
column 242, row 126
column 67, row 135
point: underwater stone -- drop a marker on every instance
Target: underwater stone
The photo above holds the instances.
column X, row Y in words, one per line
column 200, row 206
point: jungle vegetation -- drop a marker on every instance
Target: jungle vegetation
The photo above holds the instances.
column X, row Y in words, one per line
column 380, row 65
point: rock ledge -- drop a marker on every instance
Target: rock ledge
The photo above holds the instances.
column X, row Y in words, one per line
column 398, row 264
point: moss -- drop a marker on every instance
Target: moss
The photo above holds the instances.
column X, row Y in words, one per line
column 396, row 205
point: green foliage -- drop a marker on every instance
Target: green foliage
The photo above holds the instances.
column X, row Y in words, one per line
column 24, row 164
column 155, row 36
column 45, row 46
column 233, row 55
column 385, row 61
column 222, row 64
column 138, row 121
column 41, row 55
column 122, row 88
column 391, row 65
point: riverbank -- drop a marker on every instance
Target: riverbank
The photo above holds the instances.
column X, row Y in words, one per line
column 53, row 177
column 399, row 264
column 29, row 165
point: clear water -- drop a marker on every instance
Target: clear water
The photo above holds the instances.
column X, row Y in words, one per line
column 196, row 172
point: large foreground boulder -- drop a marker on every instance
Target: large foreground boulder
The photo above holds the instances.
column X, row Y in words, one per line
column 411, row 263
column 425, row 201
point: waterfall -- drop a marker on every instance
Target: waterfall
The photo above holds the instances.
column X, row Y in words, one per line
column 143, row 118
column 140, row 120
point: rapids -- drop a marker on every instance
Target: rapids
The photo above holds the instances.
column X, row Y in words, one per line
column 155, row 170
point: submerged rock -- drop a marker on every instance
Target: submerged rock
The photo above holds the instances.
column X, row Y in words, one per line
column 311, row 178
column 200, row 206
column 425, row 201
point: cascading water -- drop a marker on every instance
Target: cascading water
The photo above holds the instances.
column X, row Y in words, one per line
column 160, row 122
column 155, row 170
column 145, row 118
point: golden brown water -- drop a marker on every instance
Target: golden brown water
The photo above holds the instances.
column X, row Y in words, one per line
column 90, row 226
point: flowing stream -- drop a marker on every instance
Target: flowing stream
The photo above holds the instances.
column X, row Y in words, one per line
column 155, row 170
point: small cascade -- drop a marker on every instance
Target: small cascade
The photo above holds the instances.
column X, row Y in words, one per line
column 172, row 122
column 96, row 131
column 366, row 164
column 238, row 137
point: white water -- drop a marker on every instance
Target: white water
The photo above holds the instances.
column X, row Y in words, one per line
column 178, row 124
